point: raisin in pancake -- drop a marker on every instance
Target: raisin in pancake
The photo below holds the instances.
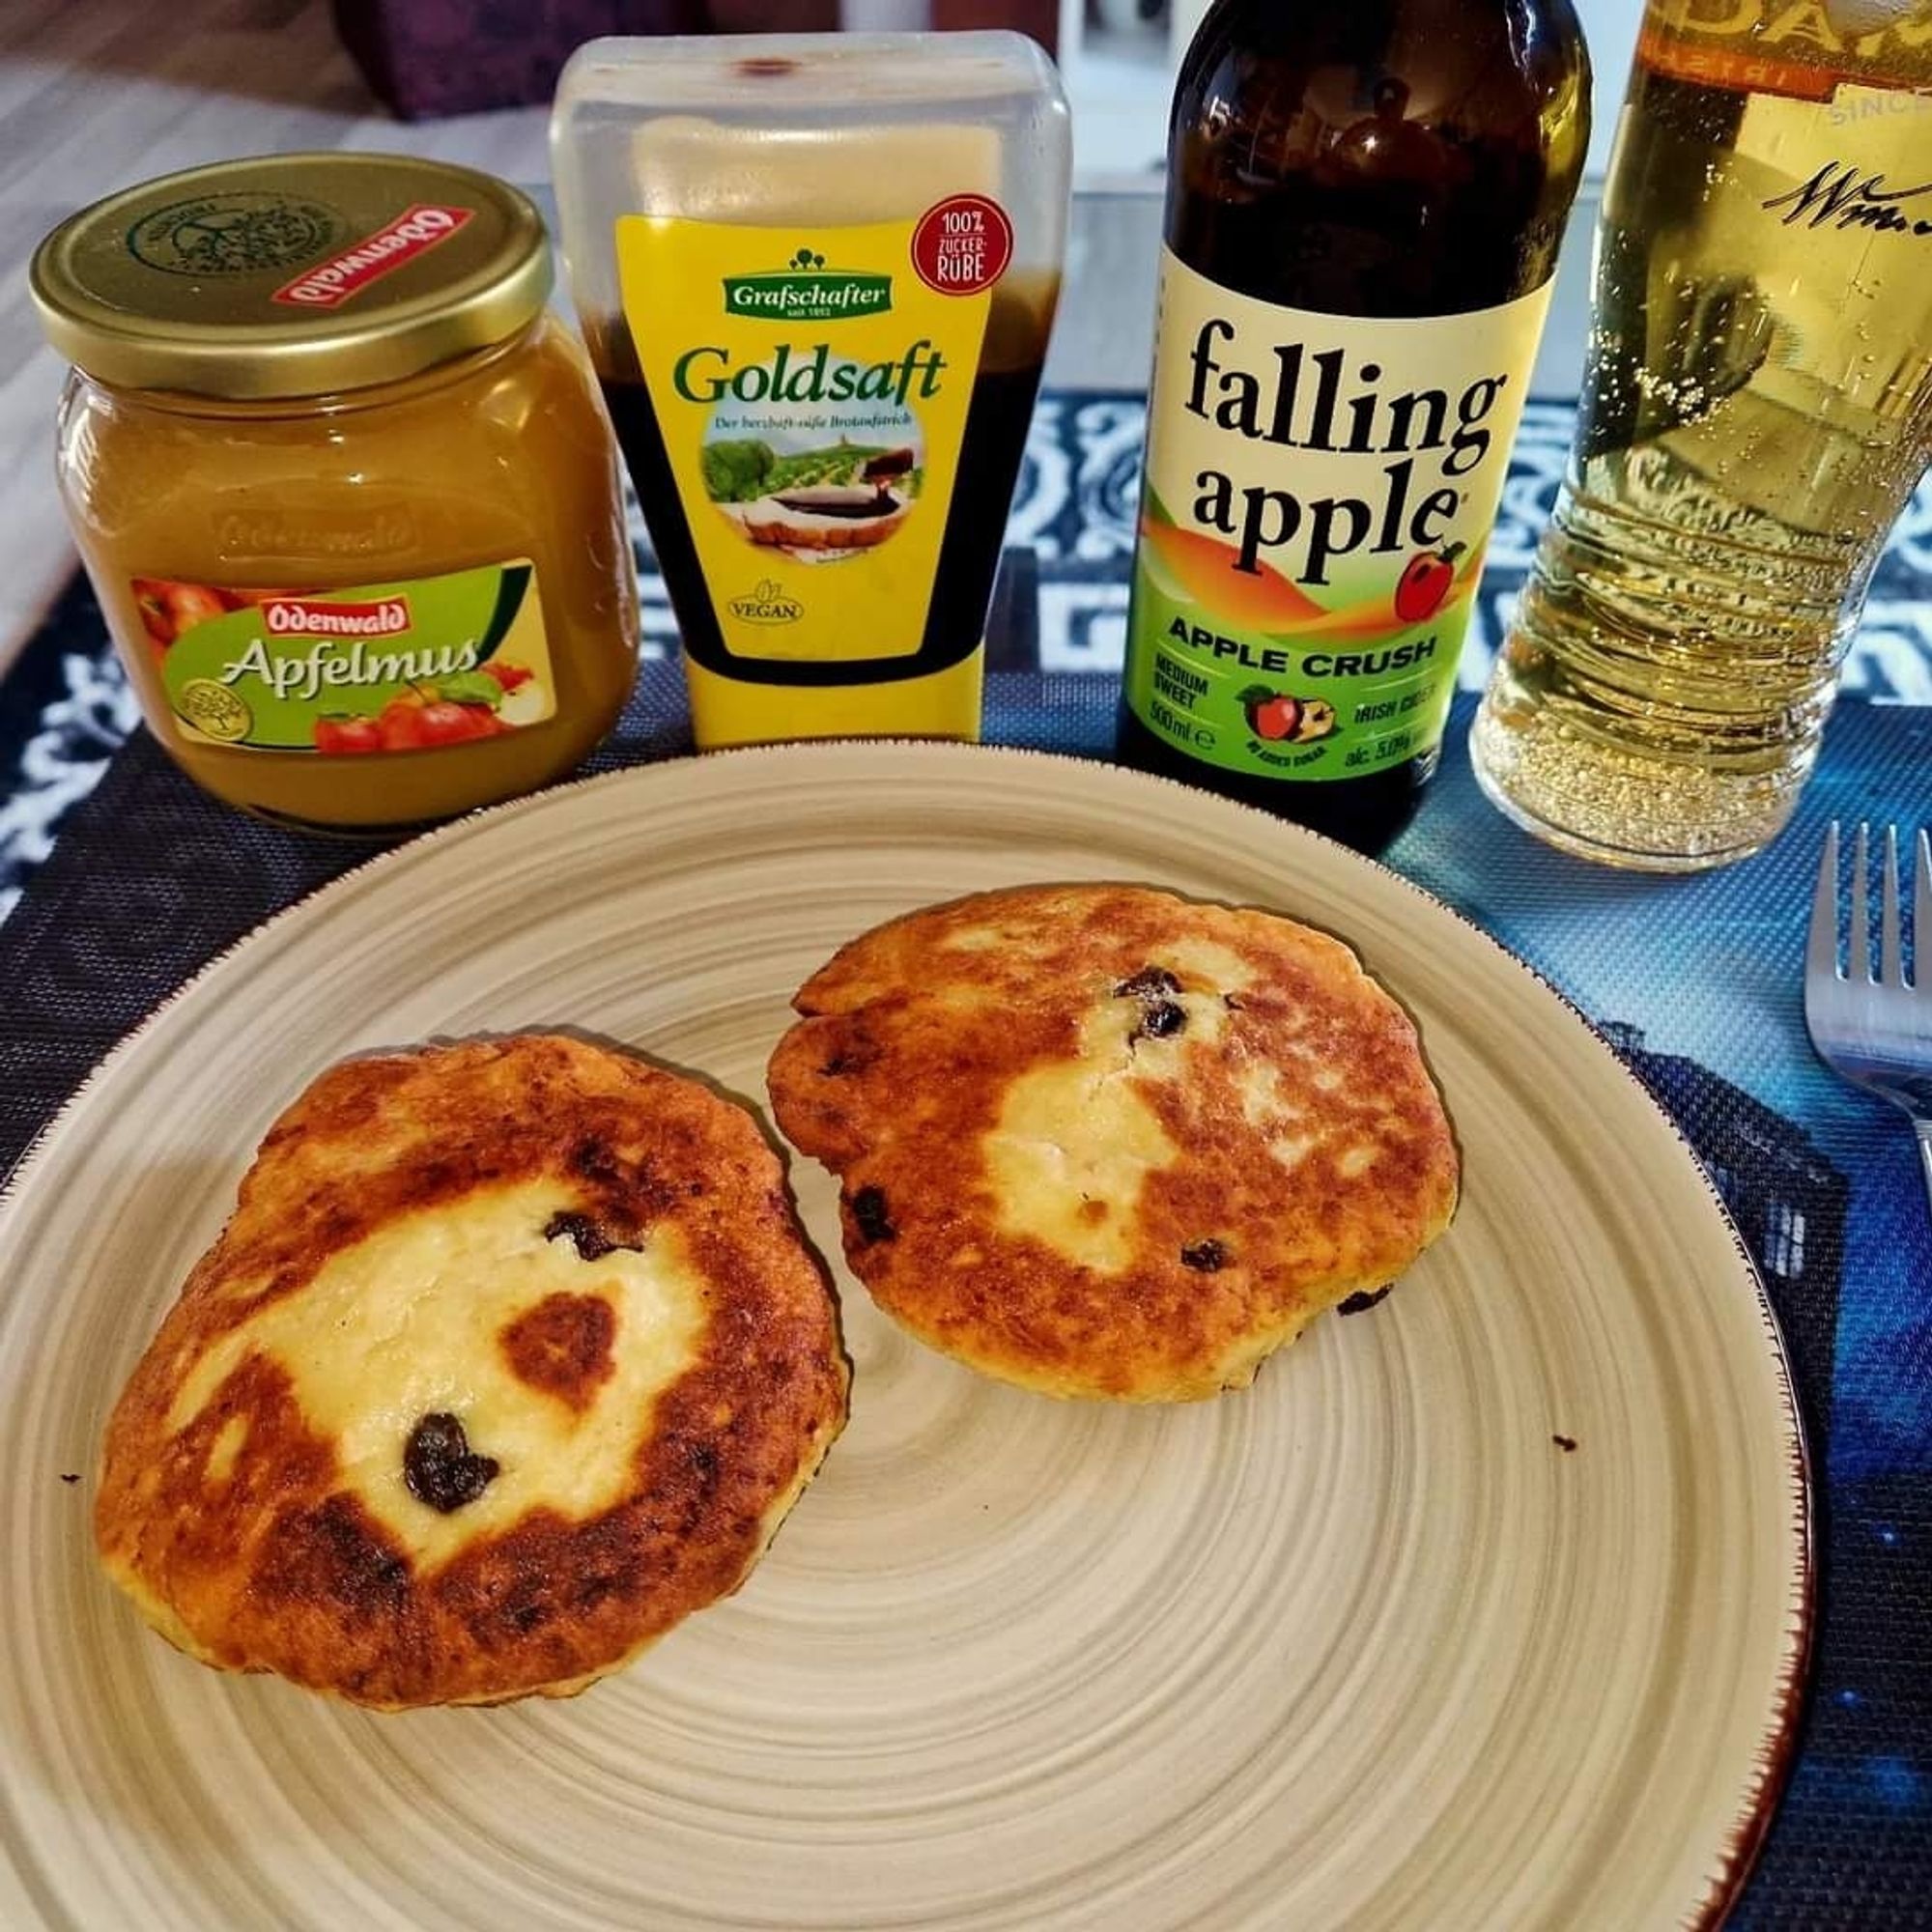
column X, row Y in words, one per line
column 510, row 1357
column 1101, row 1141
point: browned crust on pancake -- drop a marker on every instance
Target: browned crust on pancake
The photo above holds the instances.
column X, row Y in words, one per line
column 909, row 1044
column 281, row 1568
column 562, row 1346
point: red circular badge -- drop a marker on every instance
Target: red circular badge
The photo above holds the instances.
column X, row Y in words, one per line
column 962, row 244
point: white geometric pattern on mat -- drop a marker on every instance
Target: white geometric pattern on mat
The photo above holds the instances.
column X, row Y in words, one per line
column 78, row 733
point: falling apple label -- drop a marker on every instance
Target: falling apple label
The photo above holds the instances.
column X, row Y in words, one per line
column 1317, row 496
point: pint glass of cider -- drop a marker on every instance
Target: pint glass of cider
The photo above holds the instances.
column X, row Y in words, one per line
column 1756, row 412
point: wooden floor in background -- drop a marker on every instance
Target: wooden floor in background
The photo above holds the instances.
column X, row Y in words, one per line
column 99, row 94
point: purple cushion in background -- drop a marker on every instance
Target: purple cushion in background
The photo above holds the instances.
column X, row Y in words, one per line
column 425, row 58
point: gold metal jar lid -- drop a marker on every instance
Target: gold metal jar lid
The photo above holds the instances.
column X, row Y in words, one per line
column 291, row 275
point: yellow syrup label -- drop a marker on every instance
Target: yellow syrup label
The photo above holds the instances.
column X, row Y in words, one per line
column 811, row 387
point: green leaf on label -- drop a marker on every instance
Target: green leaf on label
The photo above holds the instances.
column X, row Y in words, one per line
column 509, row 601
column 469, row 687
column 736, row 469
column 1256, row 693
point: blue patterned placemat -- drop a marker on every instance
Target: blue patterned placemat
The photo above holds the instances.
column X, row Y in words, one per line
column 1697, row 981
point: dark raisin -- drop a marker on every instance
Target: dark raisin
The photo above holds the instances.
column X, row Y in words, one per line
column 1565, row 1443
column 440, row 1467
column 868, row 1210
column 591, row 1241
column 1160, row 1021
column 1147, row 981
column 595, row 1160
column 1360, row 1303
column 1209, row 1255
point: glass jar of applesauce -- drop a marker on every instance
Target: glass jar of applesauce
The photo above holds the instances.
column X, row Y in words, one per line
column 344, row 486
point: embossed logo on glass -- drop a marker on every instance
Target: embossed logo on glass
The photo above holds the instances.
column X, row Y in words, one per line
column 234, row 234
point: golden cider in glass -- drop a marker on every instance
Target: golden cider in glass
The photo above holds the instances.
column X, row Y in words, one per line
column 1757, row 410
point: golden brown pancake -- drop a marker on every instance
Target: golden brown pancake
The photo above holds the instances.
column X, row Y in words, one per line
column 1101, row 1141
column 511, row 1356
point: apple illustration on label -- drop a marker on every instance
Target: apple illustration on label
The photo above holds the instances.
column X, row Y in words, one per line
column 1316, row 721
column 168, row 609
column 1272, row 715
column 1425, row 583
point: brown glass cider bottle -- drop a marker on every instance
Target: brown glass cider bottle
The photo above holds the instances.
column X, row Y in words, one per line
column 1365, row 200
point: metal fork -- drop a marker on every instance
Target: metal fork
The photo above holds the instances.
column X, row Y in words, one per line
column 1876, row 1033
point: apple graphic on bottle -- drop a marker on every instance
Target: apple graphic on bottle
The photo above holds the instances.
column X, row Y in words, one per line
column 1272, row 715
column 1316, row 721
column 1425, row 583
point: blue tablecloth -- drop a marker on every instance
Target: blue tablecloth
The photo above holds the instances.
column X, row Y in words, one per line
column 1697, row 981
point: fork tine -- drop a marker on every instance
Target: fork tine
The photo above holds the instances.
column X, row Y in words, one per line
column 1890, row 947
column 1858, row 955
column 1921, row 916
column 1821, row 950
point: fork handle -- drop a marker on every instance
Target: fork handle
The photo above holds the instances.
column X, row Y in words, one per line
column 1923, row 1126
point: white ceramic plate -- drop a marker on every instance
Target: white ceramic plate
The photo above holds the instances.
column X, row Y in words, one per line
column 1363, row 1645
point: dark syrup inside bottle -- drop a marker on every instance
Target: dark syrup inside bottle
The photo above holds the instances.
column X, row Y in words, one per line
column 1387, row 158
column 997, row 419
